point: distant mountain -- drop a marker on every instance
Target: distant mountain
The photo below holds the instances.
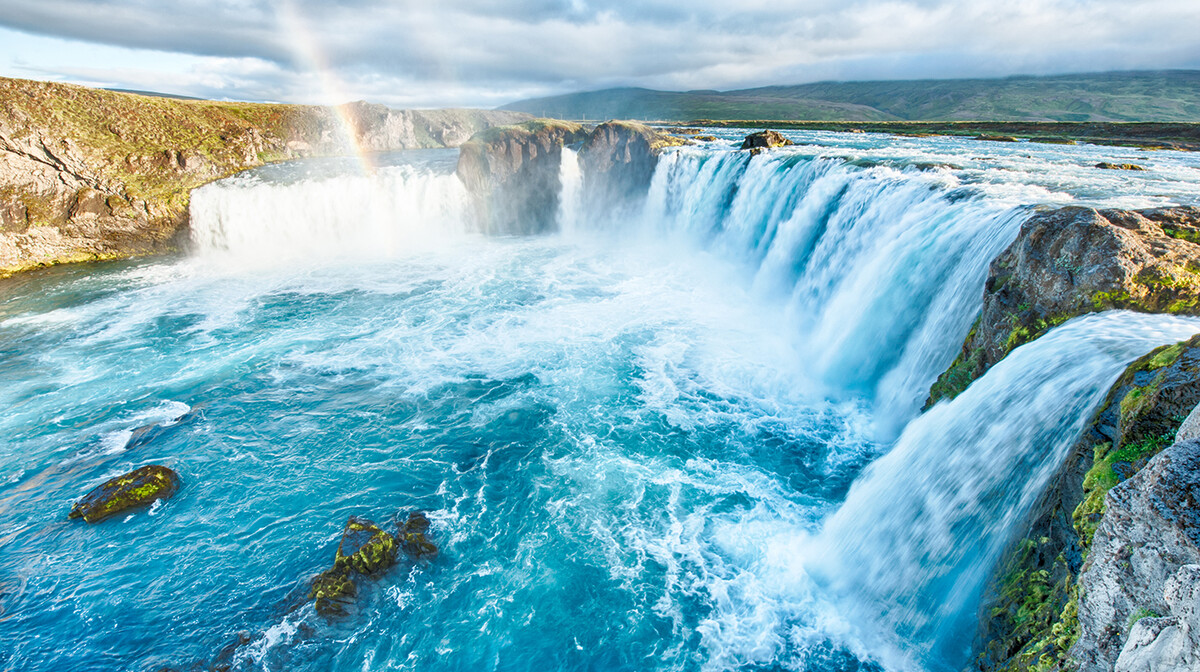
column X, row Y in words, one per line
column 1166, row 96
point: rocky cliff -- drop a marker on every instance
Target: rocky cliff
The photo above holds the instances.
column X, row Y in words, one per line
column 1054, row 602
column 87, row 174
column 1071, row 261
column 513, row 172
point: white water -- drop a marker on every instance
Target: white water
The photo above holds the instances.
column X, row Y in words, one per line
column 871, row 276
column 910, row 547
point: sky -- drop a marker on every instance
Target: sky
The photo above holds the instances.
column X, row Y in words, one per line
column 485, row 53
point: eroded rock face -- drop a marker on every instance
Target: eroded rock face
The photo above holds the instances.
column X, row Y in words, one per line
column 512, row 173
column 1168, row 643
column 618, row 160
column 137, row 488
column 1149, row 534
column 1075, row 260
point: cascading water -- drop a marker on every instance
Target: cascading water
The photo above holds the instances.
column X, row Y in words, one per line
column 641, row 443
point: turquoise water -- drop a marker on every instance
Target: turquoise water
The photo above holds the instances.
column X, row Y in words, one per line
column 641, row 445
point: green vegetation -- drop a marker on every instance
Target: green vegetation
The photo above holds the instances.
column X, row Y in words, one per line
column 1167, row 96
column 127, row 491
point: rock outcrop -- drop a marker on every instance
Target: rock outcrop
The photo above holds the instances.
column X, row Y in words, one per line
column 87, row 174
column 128, row 491
column 756, row 142
column 512, row 174
column 1033, row 613
column 1074, row 260
column 1138, row 592
column 618, row 160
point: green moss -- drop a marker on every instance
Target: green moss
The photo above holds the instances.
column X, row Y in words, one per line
column 1109, row 300
column 1190, row 234
column 1138, row 615
column 137, row 488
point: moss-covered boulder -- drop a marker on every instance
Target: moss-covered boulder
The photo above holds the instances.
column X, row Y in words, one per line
column 512, row 174
column 757, row 142
column 332, row 591
column 1105, row 165
column 365, row 548
column 1072, row 261
column 618, row 160
column 137, row 488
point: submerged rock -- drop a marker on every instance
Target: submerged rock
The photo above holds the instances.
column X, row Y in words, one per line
column 413, row 540
column 332, row 592
column 756, row 142
column 1072, row 261
column 147, row 433
column 137, row 488
column 365, row 548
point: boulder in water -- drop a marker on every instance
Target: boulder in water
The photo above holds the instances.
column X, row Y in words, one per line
column 1105, row 165
column 365, row 548
column 137, row 488
column 756, row 142
column 332, row 591
column 412, row 537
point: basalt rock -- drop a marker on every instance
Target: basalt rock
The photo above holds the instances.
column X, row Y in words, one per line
column 1075, row 260
column 137, row 488
column 512, row 174
column 757, row 142
column 618, row 160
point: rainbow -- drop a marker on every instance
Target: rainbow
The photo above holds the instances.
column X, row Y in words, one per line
column 309, row 54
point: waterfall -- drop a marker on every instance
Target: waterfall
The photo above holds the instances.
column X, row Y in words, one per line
column 920, row 530
column 570, row 200
column 881, row 269
column 327, row 214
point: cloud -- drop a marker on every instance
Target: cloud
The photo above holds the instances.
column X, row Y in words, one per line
column 485, row 52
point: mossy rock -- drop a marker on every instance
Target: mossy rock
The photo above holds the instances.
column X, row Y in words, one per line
column 365, row 548
column 413, row 540
column 1105, row 165
column 332, row 591
column 765, row 140
column 137, row 488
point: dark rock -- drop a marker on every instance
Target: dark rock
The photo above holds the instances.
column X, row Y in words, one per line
column 997, row 138
column 365, row 548
column 137, row 488
column 512, row 174
column 147, row 433
column 1072, row 261
column 413, row 540
column 764, row 140
column 1104, row 165
column 705, row 138
column 332, row 591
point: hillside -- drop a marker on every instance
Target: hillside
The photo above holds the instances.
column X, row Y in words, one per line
column 1164, row 96
column 90, row 174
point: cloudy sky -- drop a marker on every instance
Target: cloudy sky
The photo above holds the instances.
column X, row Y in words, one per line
column 428, row 53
